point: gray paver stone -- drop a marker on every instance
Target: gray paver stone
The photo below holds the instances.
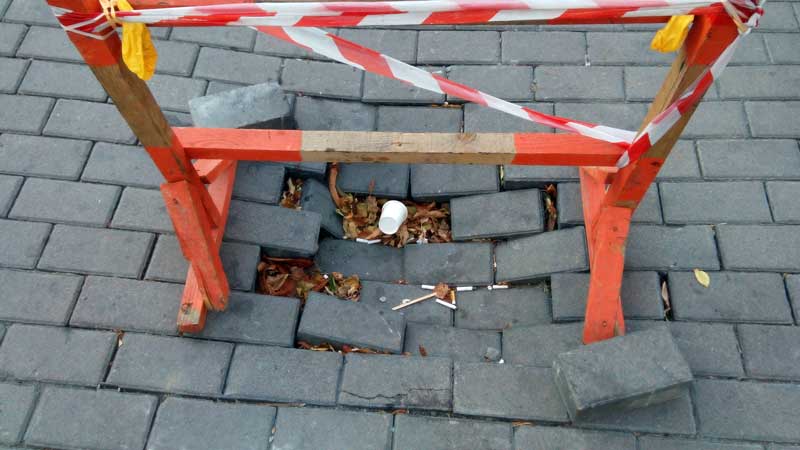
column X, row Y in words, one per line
column 380, row 180
column 510, row 213
column 369, row 262
column 322, row 114
column 316, row 197
column 455, row 343
column 331, row 429
column 578, row 83
column 551, row 438
column 229, row 37
column 177, row 58
column 316, row 170
column 283, row 375
column 31, row 13
column 661, row 443
column 261, row 106
column 523, row 177
column 502, row 308
column 121, row 164
column 442, row 182
column 710, row 349
column 419, row 119
column 54, row 79
column 756, row 247
column 170, row 364
column 384, row 296
column 41, row 42
column 399, row 44
column 236, row 67
column 415, row 432
column 322, row 78
column 259, row 182
column 793, row 287
column 531, row 47
column 454, row 47
column 9, row 187
column 382, row 381
column 65, row 201
column 773, row 119
column 464, row 264
column 255, row 319
column 23, row 114
column 570, row 206
column 653, row 247
column 770, row 352
column 728, row 202
column 750, row 159
column 539, row 345
column 641, row 295
column 784, row 201
column 142, row 210
column 21, row 243
column 627, row 116
column 327, row 319
column 539, row 256
column 478, row 118
column 37, row 297
column 281, row 231
column 673, row 417
column 718, row 120
column 380, row 89
column 512, row 83
column 681, row 164
column 20, row 398
column 88, row 120
column 760, row 82
column 606, row 48
column 43, row 156
column 783, row 47
column 10, row 37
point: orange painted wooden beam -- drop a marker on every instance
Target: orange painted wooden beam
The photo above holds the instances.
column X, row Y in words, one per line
column 210, row 169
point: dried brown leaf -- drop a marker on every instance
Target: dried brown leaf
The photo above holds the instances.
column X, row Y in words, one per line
column 422, row 351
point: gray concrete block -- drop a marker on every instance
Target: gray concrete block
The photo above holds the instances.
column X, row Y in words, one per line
column 578, row 83
column 55, row 354
column 781, row 18
column 65, row 202
column 624, row 373
column 751, row 159
column 142, row 210
column 723, row 202
column 270, row 45
column 419, row 119
column 316, row 170
column 37, row 297
column 784, row 48
column 414, row 432
column 536, row 47
column 570, row 206
column 328, row 319
column 235, row 67
column 380, row 89
column 11, row 73
column 54, row 79
column 502, row 308
column 283, row 375
column 10, row 37
column 23, row 114
column 624, row 49
column 627, row 116
column 130, row 305
column 399, row 44
column 184, row 422
column 731, row 297
column 710, row 349
column 758, row 247
column 121, row 164
column 14, row 420
column 455, row 343
column 512, row 83
column 316, row 197
column 88, row 120
column 369, row 262
column 773, row 119
column 331, row 429
column 751, row 51
column 478, row 118
column 442, row 182
column 227, row 37
column 170, row 364
column 462, row 264
column 83, row 418
column 40, row 42
column 681, row 164
column 322, row 79
column 383, row 381
column 321, row 114
column 30, row 13
column 760, row 82
column 784, row 201
column 718, row 120
column 455, row 47
column 641, row 295
column 9, row 188
column 254, row 319
column 507, row 391
column 238, row 260
column 770, row 352
column 259, row 182
column 673, row 417
column 510, row 213
column 21, row 243
column 662, row 443
column 176, row 58
column 552, row 438
column 378, row 179
column 261, row 106
column 643, row 82
column 384, row 296
column 664, row 248
column 277, row 229
column 175, row 93
column 793, row 287
column 539, row 256
column 523, row 177
column 539, row 345
column 747, row 410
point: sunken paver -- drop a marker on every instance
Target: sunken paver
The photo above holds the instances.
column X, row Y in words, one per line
column 455, row 343
column 784, row 201
column 283, row 375
column 510, row 213
column 502, row 308
column 317, row 429
column 169, row 364
column 82, row 418
column 43, row 156
column 281, row 231
column 442, row 182
column 65, row 202
column 552, row 438
column 570, row 206
column 759, row 247
column 524, row 177
column 316, row 170
column 21, row 243
column 627, row 372
column 651, row 247
column 747, row 410
column 142, row 210
column 463, row 264
column 663, row 443
column 192, row 423
column 54, row 354
column 382, row 381
column 719, row 202
column 259, row 182
column 535, row 257
column 130, row 305
column 96, row 251
column 9, row 187
column 316, row 197
column 38, row 297
column 238, row 260
column 641, row 295
column 730, row 297
column 328, row 319
column 710, row 349
column 738, row 159
column 260, row 106
column 770, row 352
column 121, row 164
column 384, row 296
column 21, row 398
column 369, row 262
column 254, row 319
column 507, row 391
column 415, row 432
column 380, row 180
column 539, row 345
column 673, row 417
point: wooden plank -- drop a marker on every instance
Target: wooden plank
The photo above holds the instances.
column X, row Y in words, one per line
column 210, row 169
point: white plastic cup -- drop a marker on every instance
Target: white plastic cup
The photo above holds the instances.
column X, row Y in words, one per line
column 393, row 215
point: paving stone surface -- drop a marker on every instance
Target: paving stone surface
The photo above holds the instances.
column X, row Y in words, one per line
column 255, row 319
column 660, row 443
column 666, row 248
column 9, row 187
column 142, row 210
column 260, row 106
column 384, row 296
column 13, row 420
column 316, row 197
column 259, row 182
column 770, row 352
column 21, row 243
column 442, row 182
column 724, row 202
column 120, row 164
column 503, row 214
column 65, row 202
column 641, row 295
column 381, row 180
column 536, row 437
column 463, row 264
column 784, row 204
column 42, row 156
column 313, row 428
column 754, row 247
column 38, row 297
column 502, row 308
column 570, row 209
column 674, row 417
column 454, row 343
column 311, row 113
column 282, row 231
column 369, row 262
column 536, row 257
column 710, row 349
column 412, row 432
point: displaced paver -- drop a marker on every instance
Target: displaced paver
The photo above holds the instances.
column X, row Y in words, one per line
column 504, row 214
column 280, row 231
column 641, row 295
column 382, row 381
column 260, row 106
column 537, row 437
column 463, row 264
column 415, row 432
column 770, row 352
column 535, row 257
column 21, row 243
column 259, row 182
column 502, row 308
column 454, row 343
column 756, row 247
column 384, row 296
column 283, row 375
column 369, row 262
column 316, row 197
column 442, row 182
column 13, row 420
column 627, row 372
column 331, row 429
column 327, row 319
column 37, row 297
column 254, row 319
column 380, row 180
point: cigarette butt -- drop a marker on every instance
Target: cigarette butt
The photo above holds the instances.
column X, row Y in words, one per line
column 445, row 304
column 428, row 287
column 368, row 241
column 465, row 288
column 498, row 286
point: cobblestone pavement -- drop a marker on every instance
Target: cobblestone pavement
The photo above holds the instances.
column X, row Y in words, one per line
column 91, row 273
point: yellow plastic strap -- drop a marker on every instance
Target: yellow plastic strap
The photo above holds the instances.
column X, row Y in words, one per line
column 671, row 37
column 138, row 50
